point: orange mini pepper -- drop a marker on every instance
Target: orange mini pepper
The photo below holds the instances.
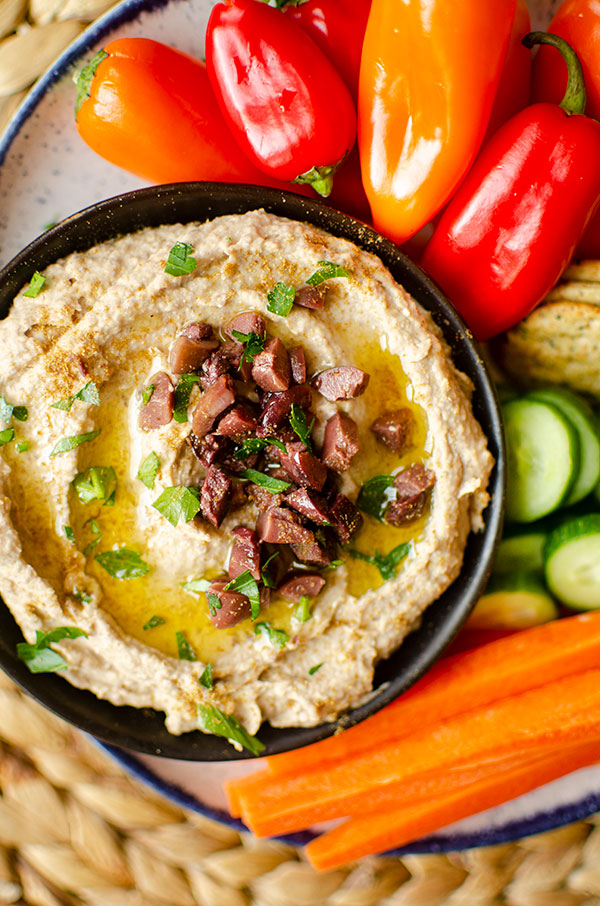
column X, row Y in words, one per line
column 429, row 76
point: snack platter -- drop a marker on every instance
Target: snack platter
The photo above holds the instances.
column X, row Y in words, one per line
column 46, row 174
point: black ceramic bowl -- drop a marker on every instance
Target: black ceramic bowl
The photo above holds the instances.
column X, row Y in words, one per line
column 143, row 730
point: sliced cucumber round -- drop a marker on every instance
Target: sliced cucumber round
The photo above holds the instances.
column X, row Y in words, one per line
column 517, row 600
column 582, row 417
column 521, row 552
column 572, row 562
column 543, row 458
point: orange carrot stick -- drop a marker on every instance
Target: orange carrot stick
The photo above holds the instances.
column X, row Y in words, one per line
column 233, row 786
column 430, row 786
column 381, row 831
column 467, row 680
column 564, row 711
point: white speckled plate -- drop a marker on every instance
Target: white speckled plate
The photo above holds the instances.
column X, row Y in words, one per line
column 47, row 173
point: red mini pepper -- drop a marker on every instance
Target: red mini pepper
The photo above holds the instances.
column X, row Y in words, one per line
column 511, row 229
column 286, row 105
column 339, row 30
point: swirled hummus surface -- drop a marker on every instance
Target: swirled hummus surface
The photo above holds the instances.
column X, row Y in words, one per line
column 106, row 320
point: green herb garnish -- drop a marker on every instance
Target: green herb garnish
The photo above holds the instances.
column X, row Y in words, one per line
column 265, row 572
column 276, row 637
column 39, row 657
column 302, row 612
column 375, row 496
column 123, row 564
column 214, row 603
column 70, row 443
column 280, row 299
column 196, row 586
column 6, row 410
column 148, row 470
column 87, row 394
column 69, row 533
column 178, row 503
column 314, row 669
column 23, row 447
column 95, row 530
column 246, row 584
column 385, row 563
column 147, row 394
column 253, row 344
column 299, row 426
column 213, row 720
column 182, row 395
column 97, row 483
column 184, row 649
column 82, row 596
column 153, row 622
column 20, row 413
column 6, row 436
column 206, row 677
column 274, row 485
column 180, row 260
column 35, row 286
column 327, row 271
column 252, row 445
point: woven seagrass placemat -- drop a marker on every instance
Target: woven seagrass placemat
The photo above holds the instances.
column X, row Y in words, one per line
column 74, row 829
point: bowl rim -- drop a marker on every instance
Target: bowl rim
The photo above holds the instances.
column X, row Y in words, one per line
column 143, row 730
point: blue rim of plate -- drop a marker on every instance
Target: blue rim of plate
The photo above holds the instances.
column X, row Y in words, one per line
column 506, row 833
column 542, row 821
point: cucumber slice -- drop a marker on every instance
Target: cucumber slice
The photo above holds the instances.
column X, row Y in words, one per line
column 543, row 458
column 582, row 417
column 516, row 601
column 521, row 552
column 572, row 562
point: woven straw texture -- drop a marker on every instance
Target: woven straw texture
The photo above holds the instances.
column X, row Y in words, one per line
column 74, row 829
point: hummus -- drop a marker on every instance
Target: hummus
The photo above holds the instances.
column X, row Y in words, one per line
column 107, row 318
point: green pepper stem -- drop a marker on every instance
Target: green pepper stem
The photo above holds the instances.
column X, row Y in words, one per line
column 84, row 79
column 575, row 97
column 320, row 178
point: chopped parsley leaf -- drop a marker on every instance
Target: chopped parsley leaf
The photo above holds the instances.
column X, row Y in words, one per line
column 153, row 622
column 6, row 436
column 147, row 394
column 196, row 586
column 327, row 271
column 252, row 445
column 314, row 669
column 213, row 720
column 280, row 299
column 82, row 596
column 123, row 563
column 70, row 443
column 375, row 496
column 246, row 584
column 148, row 470
column 182, row 395
column 253, row 344
column 184, row 649
column 23, row 447
column 177, row 503
column 277, row 637
column 274, row 485
column 20, row 413
column 95, row 530
column 302, row 612
column 69, row 533
column 214, row 603
column 87, row 394
column 265, row 572
column 35, row 286
column 299, row 426
column 39, row 657
column 97, row 483
column 385, row 563
column 180, row 260
column 206, row 677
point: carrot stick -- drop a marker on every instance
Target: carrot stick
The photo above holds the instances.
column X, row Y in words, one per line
column 564, row 711
column 423, row 787
column 381, row 831
column 233, row 786
column 467, row 680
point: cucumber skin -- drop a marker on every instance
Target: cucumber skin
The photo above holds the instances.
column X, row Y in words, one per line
column 571, row 531
column 567, row 401
column 574, row 444
column 523, row 551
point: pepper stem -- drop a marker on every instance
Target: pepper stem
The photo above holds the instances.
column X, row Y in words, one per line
column 320, row 178
column 575, row 97
column 84, row 79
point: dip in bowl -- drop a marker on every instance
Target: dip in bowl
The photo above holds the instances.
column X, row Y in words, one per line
column 250, row 469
